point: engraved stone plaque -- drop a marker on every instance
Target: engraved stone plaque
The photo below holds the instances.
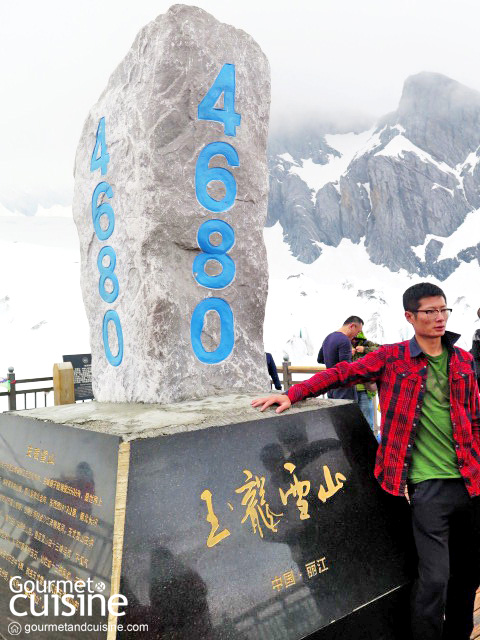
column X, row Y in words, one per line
column 57, row 496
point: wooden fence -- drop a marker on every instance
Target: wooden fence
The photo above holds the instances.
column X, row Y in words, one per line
column 287, row 371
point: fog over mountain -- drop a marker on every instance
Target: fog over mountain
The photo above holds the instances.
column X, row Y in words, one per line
column 403, row 186
column 28, row 201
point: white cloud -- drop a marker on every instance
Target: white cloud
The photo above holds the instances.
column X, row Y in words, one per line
column 326, row 57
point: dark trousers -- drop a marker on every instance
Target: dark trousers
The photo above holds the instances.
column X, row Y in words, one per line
column 447, row 537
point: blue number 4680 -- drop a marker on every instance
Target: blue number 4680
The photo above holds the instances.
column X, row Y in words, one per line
column 224, row 83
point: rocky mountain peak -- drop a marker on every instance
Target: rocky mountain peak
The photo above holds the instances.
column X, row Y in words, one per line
column 440, row 115
column 434, row 93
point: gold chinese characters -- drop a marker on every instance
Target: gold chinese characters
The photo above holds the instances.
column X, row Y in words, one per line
column 287, row 579
column 41, row 455
column 257, row 509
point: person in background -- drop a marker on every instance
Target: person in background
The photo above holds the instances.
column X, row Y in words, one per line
column 431, row 444
column 272, row 371
column 366, row 391
column 337, row 347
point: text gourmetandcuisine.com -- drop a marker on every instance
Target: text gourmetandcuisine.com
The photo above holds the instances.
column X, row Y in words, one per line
column 15, row 628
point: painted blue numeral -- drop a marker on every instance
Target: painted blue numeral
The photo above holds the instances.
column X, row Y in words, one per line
column 204, row 175
column 107, row 273
column 210, row 227
column 227, row 337
column 219, row 281
column 104, row 209
column 224, row 83
column 214, row 252
column 100, row 161
column 112, row 316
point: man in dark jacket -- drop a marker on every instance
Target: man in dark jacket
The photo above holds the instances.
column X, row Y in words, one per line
column 337, row 347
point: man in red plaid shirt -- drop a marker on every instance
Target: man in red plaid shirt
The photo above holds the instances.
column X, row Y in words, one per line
column 430, row 442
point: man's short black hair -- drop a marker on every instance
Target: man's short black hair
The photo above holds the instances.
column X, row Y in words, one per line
column 413, row 295
column 355, row 319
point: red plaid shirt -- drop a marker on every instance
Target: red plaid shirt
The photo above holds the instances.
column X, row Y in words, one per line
column 401, row 371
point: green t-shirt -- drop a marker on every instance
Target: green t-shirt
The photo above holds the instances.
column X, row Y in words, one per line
column 433, row 455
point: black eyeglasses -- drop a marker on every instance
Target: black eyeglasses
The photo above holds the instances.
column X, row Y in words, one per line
column 432, row 313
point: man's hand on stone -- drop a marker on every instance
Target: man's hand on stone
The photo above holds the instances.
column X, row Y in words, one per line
column 282, row 400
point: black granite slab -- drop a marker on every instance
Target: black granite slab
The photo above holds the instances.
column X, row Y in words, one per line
column 383, row 619
column 200, row 564
column 57, row 496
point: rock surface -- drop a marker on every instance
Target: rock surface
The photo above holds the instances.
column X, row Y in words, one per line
column 154, row 138
column 132, row 421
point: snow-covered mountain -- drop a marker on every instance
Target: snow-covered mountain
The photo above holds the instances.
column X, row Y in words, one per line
column 403, row 187
column 34, row 200
column 307, row 301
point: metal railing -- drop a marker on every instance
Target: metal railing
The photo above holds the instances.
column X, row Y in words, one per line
column 14, row 391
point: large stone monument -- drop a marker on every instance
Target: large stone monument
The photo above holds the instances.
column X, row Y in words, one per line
column 170, row 202
column 212, row 520
column 194, row 515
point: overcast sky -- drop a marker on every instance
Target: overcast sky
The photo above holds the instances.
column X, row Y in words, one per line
column 336, row 57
